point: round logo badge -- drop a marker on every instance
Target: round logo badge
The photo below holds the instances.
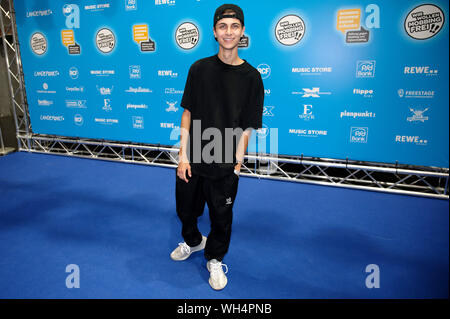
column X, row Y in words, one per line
column 424, row 22
column 290, row 30
column 105, row 40
column 187, row 35
column 265, row 70
column 38, row 43
column 78, row 119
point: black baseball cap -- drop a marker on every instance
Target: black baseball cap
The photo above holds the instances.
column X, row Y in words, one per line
column 237, row 13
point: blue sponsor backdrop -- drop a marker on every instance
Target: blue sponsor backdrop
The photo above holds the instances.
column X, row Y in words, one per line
column 364, row 80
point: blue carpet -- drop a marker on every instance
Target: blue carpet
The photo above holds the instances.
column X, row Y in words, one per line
column 118, row 223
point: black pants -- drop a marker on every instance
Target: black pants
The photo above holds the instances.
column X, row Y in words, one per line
column 219, row 194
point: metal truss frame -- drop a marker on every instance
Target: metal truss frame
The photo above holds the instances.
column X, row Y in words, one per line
column 399, row 179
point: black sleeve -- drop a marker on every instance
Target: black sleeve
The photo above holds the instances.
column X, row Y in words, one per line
column 252, row 117
column 187, row 101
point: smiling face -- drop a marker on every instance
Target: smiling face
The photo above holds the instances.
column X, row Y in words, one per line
column 228, row 32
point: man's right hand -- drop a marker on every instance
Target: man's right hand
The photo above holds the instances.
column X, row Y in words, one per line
column 184, row 166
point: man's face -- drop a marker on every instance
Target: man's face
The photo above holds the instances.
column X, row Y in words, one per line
column 228, row 32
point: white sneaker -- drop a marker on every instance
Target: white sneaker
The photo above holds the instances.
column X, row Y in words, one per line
column 183, row 251
column 217, row 278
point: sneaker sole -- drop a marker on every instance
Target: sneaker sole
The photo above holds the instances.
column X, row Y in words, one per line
column 226, row 282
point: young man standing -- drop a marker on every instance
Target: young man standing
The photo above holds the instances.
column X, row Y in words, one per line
column 223, row 102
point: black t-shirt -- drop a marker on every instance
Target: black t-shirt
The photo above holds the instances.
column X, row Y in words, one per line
column 224, row 100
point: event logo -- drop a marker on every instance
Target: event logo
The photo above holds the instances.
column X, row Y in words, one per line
column 138, row 122
column 68, row 40
column 102, row 72
column 308, row 133
column 420, row 70
column 307, row 114
column 187, row 35
column 365, row 69
column 46, row 73
column 135, row 71
column 107, row 105
column 167, row 125
column 46, row 90
column 263, row 131
column 38, row 43
column 73, row 73
column 363, row 92
column 415, row 94
column 39, row 13
column 105, row 90
column 267, row 110
column 45, row 102
column 312, row 70
column 171, row 107
column 75, row 89
column 130, row 5
column 97, row 7
column 138, row 90
column 410, row 139
column 72, row 14
column 356, row 115
column 137, row 106
column 141, row 37
column 359, row 134
column 78, row 119
column 105, row 121
column 350, row 19
column 52, row 118
column 418, row 115
column 290, row 30
column 265, row 70
column 424, row 22
column 172, row 91
column 105, row 40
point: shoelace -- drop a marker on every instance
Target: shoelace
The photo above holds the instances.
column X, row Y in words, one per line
column 185, row 248
column 218, row 266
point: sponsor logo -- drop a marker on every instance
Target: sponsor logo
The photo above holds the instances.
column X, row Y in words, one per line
column 77, row 104
column 415, row 94
column 307, row 114
column 135, row 71
column 68, row 40
column 137, row 106
column 424, row 22
column 102, row 72
column 107, row 105
column 38, row 43
column 171, row 107
column 105, row 40
column 73, row 73
column 164, row 2
column 52, row 118
column 187, row 35
column 314, row 92
column 265, row 70
column 308, row 133
column 45, row 102
column 418, row 115
column 267, row 92
column 363, row 92
column 46, row 73
column 105, row 90
column 357, row 115
column 263, row 131
column 39, row 13
column 78, row 119
column 359, row 134
column 420, row 70
column 97, row 7
column 72, row 14
column 142, row 38
column 172, row 91
column 228, row 201
column 130, row 5
column 168, row 125
column 409, row 139
column 75, row 89
column 45, row 89
column 167, row 73
column 138, row 90
column 349, row 23
column 312, row 70
column 138, row 122
column 105, row 121
column 365, row 69
column 267, row 110
column 244, row 42
column 290, row 30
